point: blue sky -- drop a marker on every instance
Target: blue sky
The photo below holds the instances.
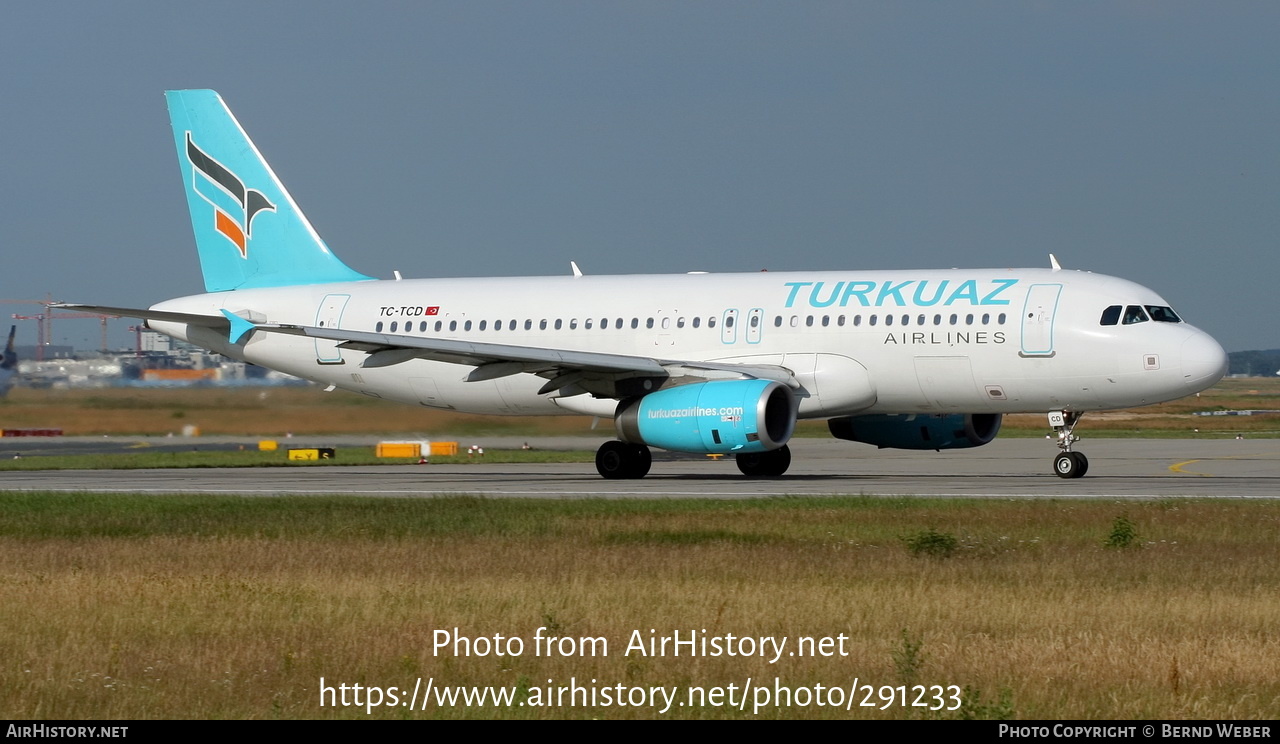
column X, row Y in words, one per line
column 472, row 138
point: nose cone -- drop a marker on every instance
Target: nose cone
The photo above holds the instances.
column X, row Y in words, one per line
column 1203, row 362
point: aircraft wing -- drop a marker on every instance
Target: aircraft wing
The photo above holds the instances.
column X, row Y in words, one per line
column 567, row 371
column 572, row 372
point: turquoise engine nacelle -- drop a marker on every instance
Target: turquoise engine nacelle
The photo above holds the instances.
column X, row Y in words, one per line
column 721, row 416
column 935, row 431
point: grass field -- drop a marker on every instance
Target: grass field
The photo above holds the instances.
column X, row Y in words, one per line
column 273, row 412
column 255, row 412
column 1175, row 419
column 278, row 459
column 134, row 607
column 128, row 607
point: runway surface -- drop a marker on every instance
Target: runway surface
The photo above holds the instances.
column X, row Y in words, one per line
column 1013, row 468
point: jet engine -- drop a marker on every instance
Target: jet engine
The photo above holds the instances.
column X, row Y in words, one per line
column 720, row 416
column 918, row 430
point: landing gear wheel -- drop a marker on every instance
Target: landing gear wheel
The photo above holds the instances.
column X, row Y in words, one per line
column 1067, row 464
column 617, row 460
column 769, row 464
column 1070, row 465
column 1082, row 462
column 641, row 461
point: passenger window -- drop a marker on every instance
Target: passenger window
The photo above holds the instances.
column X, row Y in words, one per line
column 453, row 325
column 378, row 327
column 826, row 321
column 467, row 327
column 680, row 322
column 711, row 322
column 648, row 323
column 840, row 320
column 1134, row 314
column 542, row 324
column 586, row 324
column 559, row 324
column 697, row 321
column 777, row 321
column 1111, row 315
column 635, row 323
column 528, row 324
column 483, row 324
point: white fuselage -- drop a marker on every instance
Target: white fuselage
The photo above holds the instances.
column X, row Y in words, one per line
column 971, row 341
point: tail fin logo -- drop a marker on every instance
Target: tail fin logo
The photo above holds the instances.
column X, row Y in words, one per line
column 234, row 206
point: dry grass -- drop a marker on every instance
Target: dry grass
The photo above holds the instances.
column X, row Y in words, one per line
column 257, row 412
column 302, row 411
column 235, row 608
column 1174, row 418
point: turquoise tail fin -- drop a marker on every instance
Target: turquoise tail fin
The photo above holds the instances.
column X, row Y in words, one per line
column 249, row 232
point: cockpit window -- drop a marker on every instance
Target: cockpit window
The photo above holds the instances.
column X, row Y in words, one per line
column 1111, row 315
column 1162, row 314
column 1134, row 314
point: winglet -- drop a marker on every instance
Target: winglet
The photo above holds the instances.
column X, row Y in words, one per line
column 239, row 327
column 1053, row 263
column 576, row 271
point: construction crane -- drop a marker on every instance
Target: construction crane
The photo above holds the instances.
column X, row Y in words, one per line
column 44, row 325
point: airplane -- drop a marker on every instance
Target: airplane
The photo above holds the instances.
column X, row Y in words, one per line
column 698, row 362
column 8, row 365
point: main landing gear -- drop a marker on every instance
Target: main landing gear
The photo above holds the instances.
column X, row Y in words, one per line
column 769, row 464
column 1067, row 464
column 617, row 460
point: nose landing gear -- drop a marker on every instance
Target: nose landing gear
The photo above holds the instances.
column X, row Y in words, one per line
column 1067, row 464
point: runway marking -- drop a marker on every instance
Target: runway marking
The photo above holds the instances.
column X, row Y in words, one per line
column 1177, row 468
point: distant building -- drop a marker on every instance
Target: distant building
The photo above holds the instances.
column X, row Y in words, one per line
column 152, row 341
column 50, row 352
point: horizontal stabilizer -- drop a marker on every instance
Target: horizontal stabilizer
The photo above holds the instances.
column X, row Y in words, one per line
column 206, row 321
